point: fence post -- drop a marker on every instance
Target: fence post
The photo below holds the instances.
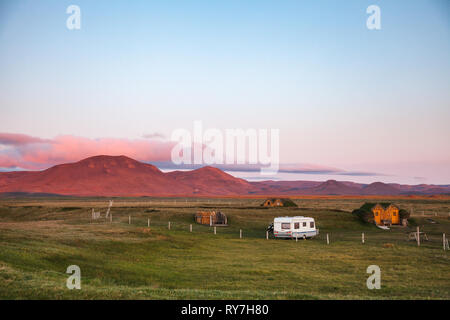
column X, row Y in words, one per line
column 169, row 225
column 362, row 237
column 190, row 228
column 296, row 238
column 443, row 240
column 240, row 233
column 110, row 217
column 418, row 237
column 328, row 239
column 129, row 219
column 148, row 222
column 214, row 230
column 267, row 235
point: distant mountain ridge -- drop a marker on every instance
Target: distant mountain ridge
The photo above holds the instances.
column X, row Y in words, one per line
column 122, row 176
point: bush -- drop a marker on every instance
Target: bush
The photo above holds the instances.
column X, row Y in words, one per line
column 364, row 215
column 403, row 214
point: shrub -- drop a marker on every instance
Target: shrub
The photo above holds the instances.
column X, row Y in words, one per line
column 403, row 214
column 366, row 216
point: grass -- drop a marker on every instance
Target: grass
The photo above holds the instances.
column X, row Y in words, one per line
column 40, row 238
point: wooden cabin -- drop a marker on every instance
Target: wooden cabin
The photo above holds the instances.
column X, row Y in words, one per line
column 211, row 218
column 384, row 214
column 278, row 202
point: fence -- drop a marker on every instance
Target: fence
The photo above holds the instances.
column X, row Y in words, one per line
column 430, row 214
column 424, row 238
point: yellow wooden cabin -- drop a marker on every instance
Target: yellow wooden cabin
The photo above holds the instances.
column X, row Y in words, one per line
column 273, row 203
column 278, row 202
column 383, row 213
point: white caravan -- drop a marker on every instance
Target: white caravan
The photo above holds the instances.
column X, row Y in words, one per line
column 294, row 227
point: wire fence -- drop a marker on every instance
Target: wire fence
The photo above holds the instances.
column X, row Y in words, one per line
column 424, row 237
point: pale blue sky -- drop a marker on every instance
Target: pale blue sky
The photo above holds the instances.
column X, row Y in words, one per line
column 341, row 95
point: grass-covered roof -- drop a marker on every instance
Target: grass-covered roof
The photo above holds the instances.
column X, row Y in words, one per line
column 285, row 201
column 369, row 205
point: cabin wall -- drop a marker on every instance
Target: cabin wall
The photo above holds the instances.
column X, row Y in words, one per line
column 274, row 203
column 277, row 203
column 203, row 217
column 391, row 213
column 378, row 214
column 210, row 217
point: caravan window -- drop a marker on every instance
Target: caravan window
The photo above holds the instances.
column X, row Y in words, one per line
column 311, row 224
column 297, row 225
column 304, row 224
column 285, row 226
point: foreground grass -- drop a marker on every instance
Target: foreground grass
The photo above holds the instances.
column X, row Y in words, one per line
column 38, row 241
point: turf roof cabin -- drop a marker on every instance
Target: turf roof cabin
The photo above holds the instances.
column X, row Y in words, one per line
column 382, row 214
column 279, row 202
column 211, row 218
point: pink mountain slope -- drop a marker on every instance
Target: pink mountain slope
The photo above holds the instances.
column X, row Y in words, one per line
column 123, row 176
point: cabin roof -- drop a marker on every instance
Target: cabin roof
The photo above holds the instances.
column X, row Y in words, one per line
column 286, row 201
column 281, row 199
column 368, row 206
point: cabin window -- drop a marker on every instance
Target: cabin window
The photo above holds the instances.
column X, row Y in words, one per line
column 311, row 224
column 395, row 214
column 297, row 225
column 285, row 226
column 304, row 224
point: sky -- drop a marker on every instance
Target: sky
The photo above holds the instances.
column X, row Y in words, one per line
column 350, row 103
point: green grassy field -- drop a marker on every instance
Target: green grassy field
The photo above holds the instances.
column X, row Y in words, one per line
column 40, row 238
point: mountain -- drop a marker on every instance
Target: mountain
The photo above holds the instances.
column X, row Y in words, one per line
column 122, row 176
column 380, row 188
column 422, row 188
column 283, row 187
column 333, row 187
column 210, row 180
column 99, row 175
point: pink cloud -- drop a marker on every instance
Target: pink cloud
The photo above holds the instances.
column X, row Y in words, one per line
column 7, row 161
column 34, row 153
column 19, row 139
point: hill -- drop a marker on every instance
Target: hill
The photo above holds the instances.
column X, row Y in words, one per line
column 122, row 176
